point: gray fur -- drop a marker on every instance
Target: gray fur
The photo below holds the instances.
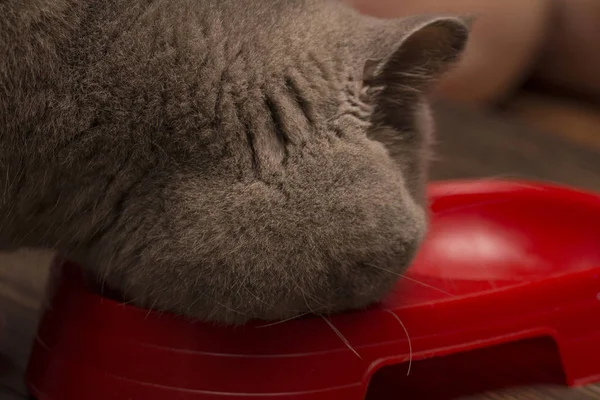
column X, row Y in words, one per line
column 222, row 159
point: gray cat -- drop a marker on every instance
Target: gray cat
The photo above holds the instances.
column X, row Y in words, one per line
column 222, row 159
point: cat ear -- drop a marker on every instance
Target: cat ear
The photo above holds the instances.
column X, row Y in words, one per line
column 411, row 53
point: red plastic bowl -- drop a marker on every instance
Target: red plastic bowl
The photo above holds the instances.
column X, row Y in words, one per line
column 503, row 262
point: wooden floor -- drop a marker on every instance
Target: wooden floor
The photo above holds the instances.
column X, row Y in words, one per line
column 471, row 145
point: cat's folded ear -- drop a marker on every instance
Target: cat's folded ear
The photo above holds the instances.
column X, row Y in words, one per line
column 411, row 53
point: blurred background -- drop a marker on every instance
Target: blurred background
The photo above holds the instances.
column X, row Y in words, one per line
column 535, row 63
column 524, row 102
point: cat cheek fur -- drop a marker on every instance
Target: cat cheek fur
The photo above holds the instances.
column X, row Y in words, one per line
column 330, row 235
column 225, row 168
column 332, row 224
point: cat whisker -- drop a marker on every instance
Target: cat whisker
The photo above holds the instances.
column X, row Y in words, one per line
column 427, row 285
column 132, row 301
column 410, row 349
column 305, row 294
column 190, row 307
column 284, row 320
column 469, row 206
column 514, row 178
column 411, row 280
column 256, row 297
column 242, row 286
column 150, row 309
column 340, row 335
column 298, row 316
column 314, row 312
column 109, row 266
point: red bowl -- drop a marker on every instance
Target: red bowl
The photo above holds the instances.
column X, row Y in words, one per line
column 503, row 262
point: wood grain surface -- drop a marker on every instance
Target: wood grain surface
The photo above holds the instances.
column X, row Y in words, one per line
column 470, row 144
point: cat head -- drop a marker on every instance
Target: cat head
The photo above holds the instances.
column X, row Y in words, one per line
column 291, row 178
